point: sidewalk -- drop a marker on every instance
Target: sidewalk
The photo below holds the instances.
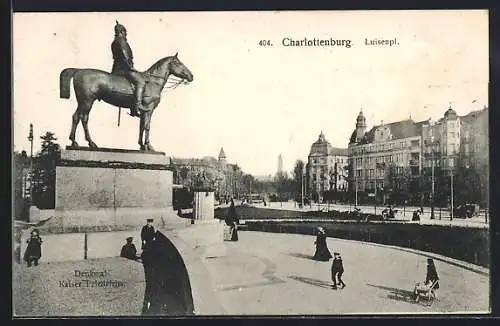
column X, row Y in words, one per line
column 402, row 214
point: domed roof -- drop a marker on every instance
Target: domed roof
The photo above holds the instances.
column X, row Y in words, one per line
column 360, row 127
column 361, row 117
column 450, row 113
column 321, row 146
column 354, row 135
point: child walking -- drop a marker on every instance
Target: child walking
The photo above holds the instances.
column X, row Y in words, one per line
column 337, row 271
column 34, row 250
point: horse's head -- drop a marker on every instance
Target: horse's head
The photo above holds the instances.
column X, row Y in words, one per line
column 178, row 69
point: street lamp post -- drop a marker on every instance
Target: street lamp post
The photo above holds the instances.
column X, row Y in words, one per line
column 30, row 138
column 432, row 177
column 451, row 216
column 302, row 186
column 356, row 192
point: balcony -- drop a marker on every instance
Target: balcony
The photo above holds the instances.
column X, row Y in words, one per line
column 414, row 162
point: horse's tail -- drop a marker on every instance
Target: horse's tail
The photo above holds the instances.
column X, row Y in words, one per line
column 64, row 82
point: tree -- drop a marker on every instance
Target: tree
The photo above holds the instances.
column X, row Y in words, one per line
column 298, row 180
column 248, row 183
column 284, row 186
column 441, row 187
column 398, row 182
column 471, row 184
column 49, row 145
column 333, row 174
column 238, row 181
column 202, row 178
column 45, row 172
column 351, row 187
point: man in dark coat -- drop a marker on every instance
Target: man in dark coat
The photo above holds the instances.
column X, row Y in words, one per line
column 147, row 233
column 123, row 65
column 128, row 250
column 337, row 271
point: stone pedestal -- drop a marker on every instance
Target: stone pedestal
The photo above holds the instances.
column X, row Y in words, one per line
column 96, row 187
column 206, row 230
column 203, row 206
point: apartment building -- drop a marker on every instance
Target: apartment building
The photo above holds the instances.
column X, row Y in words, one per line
column 326, row 167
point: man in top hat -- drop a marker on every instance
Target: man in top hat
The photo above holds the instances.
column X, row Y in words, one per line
column 128, row 250
column 147, row 233
column 123, row 65
column 337, row 271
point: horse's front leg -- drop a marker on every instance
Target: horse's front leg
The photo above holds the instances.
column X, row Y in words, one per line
column 141, row 132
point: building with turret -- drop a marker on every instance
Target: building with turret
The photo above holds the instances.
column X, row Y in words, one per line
column 326, row 168
column 386, row 156
column 398, row 157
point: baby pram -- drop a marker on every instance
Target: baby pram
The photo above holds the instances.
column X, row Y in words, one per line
column 426, row 291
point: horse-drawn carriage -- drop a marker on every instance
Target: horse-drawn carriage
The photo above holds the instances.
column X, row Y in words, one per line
column 389, row 212
column 466, row 210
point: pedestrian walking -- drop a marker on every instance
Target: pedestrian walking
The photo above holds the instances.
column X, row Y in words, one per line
column 337, row 271
column 416, row 215
column 231, row 221
column 432, row 275
column 147, row 233
column 33, row 252
column 322, row 253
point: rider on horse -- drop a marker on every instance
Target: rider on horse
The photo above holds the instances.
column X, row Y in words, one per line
column 123, row 65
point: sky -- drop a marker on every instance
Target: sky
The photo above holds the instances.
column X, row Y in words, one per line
column 256, row 102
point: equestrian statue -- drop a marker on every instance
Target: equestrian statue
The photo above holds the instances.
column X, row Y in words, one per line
column 124, row 87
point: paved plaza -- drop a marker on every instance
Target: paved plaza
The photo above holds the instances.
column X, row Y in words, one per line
column 267, row 273
column 271, row 274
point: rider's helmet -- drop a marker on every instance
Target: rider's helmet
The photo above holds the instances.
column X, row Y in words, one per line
column 119, row 28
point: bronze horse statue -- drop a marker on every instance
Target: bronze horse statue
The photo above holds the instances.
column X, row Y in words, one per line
column 93, row 84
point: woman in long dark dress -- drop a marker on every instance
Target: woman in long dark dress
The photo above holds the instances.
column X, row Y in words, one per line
column 34, row 250
column 322, row 253
column 432, row 275
column 230, row 220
